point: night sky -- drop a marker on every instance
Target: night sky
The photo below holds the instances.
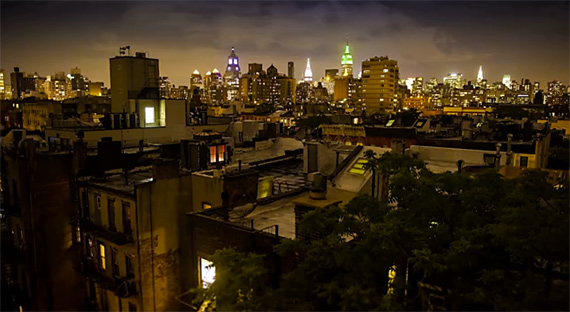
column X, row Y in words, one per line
column 428, row 39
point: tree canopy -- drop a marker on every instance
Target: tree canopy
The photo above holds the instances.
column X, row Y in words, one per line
column 447, row 240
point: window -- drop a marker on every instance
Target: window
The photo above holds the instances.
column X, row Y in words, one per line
column 127, row 229
column 206, row 205
column 98, row 199
column 221, row 151
column 358, row 166
column 85, row 204
column 115, row 261
column 524, row 162
column 78, row 233
column 213, row 154
column 132, row 307
column 129, row 266
column 207, row 273
column 111, row 213
column 102, row 263
column 89, row 246
column 149, row 115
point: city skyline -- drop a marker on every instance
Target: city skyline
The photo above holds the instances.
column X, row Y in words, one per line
column 183, row 37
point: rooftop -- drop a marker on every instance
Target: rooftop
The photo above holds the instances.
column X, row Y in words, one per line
column 115, row 180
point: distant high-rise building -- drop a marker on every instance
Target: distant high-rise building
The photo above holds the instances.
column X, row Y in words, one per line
column 95, row 88
column 507, row 81
column 133, row 77
column 196, row 82
column 346, row 62
column 79, row 85
column 16, row 82
column 2, row 87
column 480, row 74
column 308, row 72
column 214, row 90
column 331, row 73
column 231, row 76
column 454, row 80
column 291, row 70
column 165, row 87
column 380, row 76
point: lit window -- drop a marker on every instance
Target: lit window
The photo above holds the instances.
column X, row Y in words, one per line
column 102, row 264
column 213, row 154
column 206, row 205
column 221, row 151
column 207, row 272
column 386, row 70
column 149, row 115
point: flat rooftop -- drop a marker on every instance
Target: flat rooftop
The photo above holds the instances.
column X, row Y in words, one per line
column 116, row 181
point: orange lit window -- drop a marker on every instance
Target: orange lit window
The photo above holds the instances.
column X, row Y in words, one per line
column 212, row 154
column 221, row 151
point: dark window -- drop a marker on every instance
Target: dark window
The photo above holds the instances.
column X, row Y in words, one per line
column 85, row 202
column 129, row 266
column 127, row 229
column 115, row 261
column 524, row 161
column 111, row 213
column 132, row 307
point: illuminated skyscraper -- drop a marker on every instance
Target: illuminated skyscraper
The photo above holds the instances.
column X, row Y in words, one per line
column 2, row 88
column 231, row 76
column 380, row 76
column 346, row 62
column 308, row 72
column 480, row 74
column 454, row 80
column 507, row 81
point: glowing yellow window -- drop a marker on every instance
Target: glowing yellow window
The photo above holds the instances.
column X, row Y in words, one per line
column 102, row 259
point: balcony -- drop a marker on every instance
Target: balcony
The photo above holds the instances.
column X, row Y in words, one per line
column 123, row 287
column 118, row 238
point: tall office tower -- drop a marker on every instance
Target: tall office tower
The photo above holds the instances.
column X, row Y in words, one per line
column 380, row 76
column 346, row 62
column 16, row 83
column 79, row 85
column 133, row 77
column 328, row 79
column 196, row 82
column 231, row 76
column 331, row 73
column 2, row 87
column 417, row 86
column 431, row 84
column 454, row 80
column 480, row 74
column 165, row 87
column 291, row 69
column 507, row 81
column 308, row 72
column 214, row 90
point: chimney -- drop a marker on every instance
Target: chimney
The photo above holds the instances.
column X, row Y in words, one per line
column 318, row 189
column 509, row 151
column 498, row 155
column 165, row 169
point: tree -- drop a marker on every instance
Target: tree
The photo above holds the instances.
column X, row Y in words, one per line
column 240, row 283
column 481, row 241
